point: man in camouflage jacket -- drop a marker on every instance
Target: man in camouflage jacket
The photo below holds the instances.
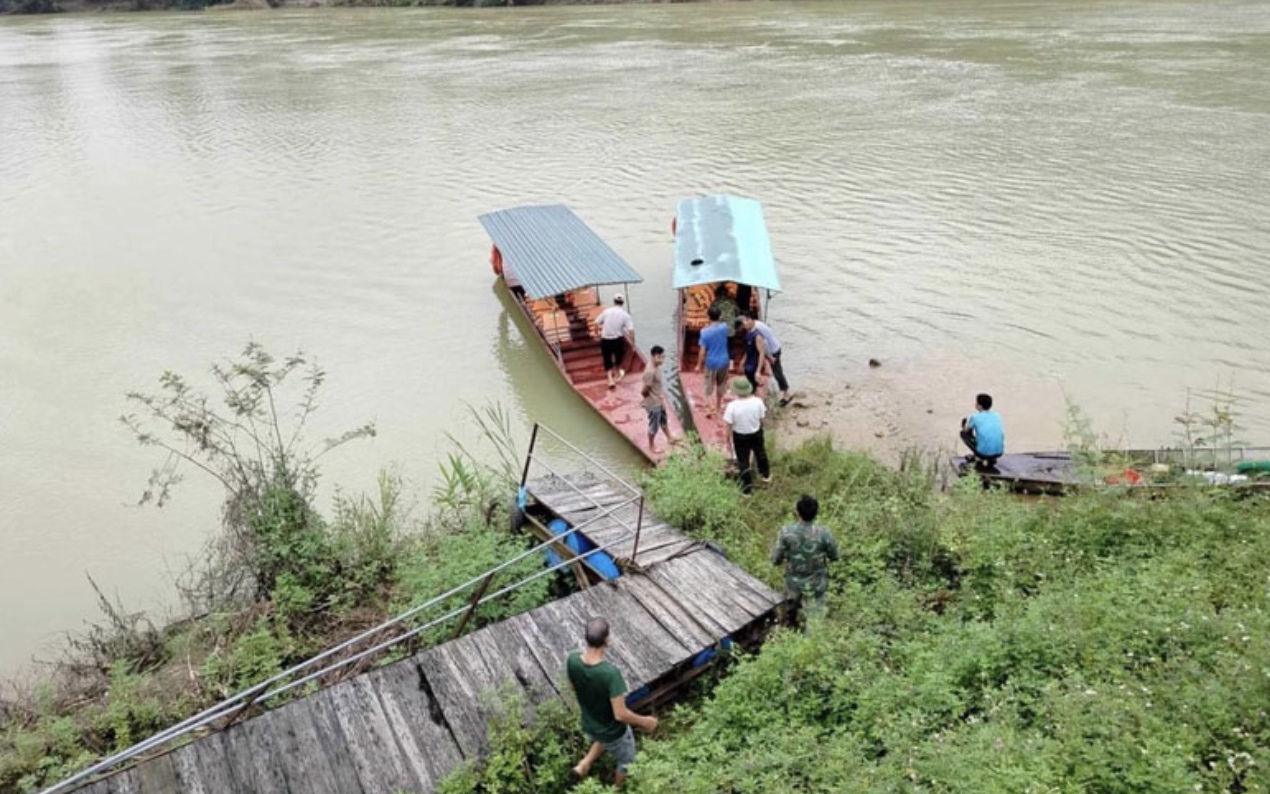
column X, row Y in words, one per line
column 805, row 549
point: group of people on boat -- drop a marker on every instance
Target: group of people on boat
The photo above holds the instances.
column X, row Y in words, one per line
column 744, row 414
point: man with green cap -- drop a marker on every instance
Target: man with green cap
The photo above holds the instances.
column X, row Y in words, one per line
column 744, row 417
column 805, row 549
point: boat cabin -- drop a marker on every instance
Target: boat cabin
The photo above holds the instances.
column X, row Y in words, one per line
column 723, row 258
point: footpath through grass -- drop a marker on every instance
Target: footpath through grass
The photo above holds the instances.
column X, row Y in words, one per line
column 975, row 642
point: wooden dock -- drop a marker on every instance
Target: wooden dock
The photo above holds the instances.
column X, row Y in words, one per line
column 405, row 726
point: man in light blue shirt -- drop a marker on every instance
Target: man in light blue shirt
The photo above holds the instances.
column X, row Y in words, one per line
column 983, row 432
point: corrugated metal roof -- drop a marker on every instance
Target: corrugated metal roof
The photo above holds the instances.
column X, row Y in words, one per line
column 551, row 250
column 723, row 238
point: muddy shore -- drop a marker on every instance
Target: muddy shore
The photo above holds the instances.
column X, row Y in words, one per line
column 886, row 410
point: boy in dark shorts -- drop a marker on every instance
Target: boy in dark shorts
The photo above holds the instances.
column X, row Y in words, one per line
column 601, row 693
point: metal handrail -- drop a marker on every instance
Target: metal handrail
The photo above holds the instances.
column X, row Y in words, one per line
column 639, row 520
column 261, row 692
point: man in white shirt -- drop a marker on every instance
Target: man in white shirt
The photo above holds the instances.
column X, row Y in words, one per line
column 744, row 417
column 615, row 325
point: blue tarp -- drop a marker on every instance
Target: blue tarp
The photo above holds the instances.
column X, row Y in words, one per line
column 723, row 238
column 550, row 250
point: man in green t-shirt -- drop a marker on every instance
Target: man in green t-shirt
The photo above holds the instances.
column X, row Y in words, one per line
column 601, row 692
column 805, row 549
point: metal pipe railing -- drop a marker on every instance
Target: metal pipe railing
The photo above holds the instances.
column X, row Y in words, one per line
column 261, row 692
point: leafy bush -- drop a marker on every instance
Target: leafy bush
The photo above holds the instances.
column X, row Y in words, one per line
column 981, row 643
column 447, row 560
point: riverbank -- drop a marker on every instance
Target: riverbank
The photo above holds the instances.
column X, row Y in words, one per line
column 964, row 628
column 974, row 642
column 886, row 410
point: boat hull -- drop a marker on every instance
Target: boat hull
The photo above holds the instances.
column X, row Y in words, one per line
column 576, row 353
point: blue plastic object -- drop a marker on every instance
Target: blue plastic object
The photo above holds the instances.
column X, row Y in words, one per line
column 580, row 544
column 637, row 695
column 706, row 656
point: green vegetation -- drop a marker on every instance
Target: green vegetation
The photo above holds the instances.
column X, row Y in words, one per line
column 281, row 583
column 976, row 642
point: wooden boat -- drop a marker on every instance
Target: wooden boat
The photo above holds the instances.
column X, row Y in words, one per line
column 721, row 243
column 553, row 265
column 1058, row 472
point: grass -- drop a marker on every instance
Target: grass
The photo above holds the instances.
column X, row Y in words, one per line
column 975, row 642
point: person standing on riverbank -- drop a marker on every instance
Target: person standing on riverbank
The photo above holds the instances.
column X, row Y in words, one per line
column 715, row 359
column 744, row 417
column 763, row 350
column 805, row 549
column 601, row 693
column 615, row 326
column 984, row 433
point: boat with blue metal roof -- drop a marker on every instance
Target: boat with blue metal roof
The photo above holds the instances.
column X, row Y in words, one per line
column 723, row 258
column 553, row 266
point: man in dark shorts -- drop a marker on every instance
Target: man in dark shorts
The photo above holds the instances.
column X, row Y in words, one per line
column 601, row 692
column 654, row 393
column 983, row 432
column 615, row 325
column 714, row 359
column 763, row 350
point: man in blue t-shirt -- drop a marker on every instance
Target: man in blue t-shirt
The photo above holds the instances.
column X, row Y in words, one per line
column 714, row 359
column 983, row 433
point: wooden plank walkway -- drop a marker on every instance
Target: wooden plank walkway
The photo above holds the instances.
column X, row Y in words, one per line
column 403, row 727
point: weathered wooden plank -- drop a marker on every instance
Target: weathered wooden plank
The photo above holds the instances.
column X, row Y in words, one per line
column 641, row 658
column 470, row 684
column 499, row 645
column 681, row 591
column 426, row 743
column 672, row 616
column 550, row 642
column 185, row 765
column 579, row 493
column 249, row 747
column 157, row 776
column 213, row 765
column 320, row 710
column 661, row 550
column 299, row 754
column 456, row 688
column 512, row 644
column 748, row 589
column 377, row 758
column 713, row 574
column 101, row 786
column 693, row 579
column 124, row 782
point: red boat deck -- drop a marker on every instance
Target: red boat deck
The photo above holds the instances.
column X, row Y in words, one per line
column 569, row 324
column 694, row 302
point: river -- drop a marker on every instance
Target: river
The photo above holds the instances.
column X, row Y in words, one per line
column 1032, row 198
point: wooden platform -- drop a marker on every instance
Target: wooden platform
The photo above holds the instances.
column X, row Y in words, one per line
column 403, row 727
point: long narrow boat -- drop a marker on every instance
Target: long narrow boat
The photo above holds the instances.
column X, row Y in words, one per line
column 553, row 266
column 1058, row 472
column 721, row 246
